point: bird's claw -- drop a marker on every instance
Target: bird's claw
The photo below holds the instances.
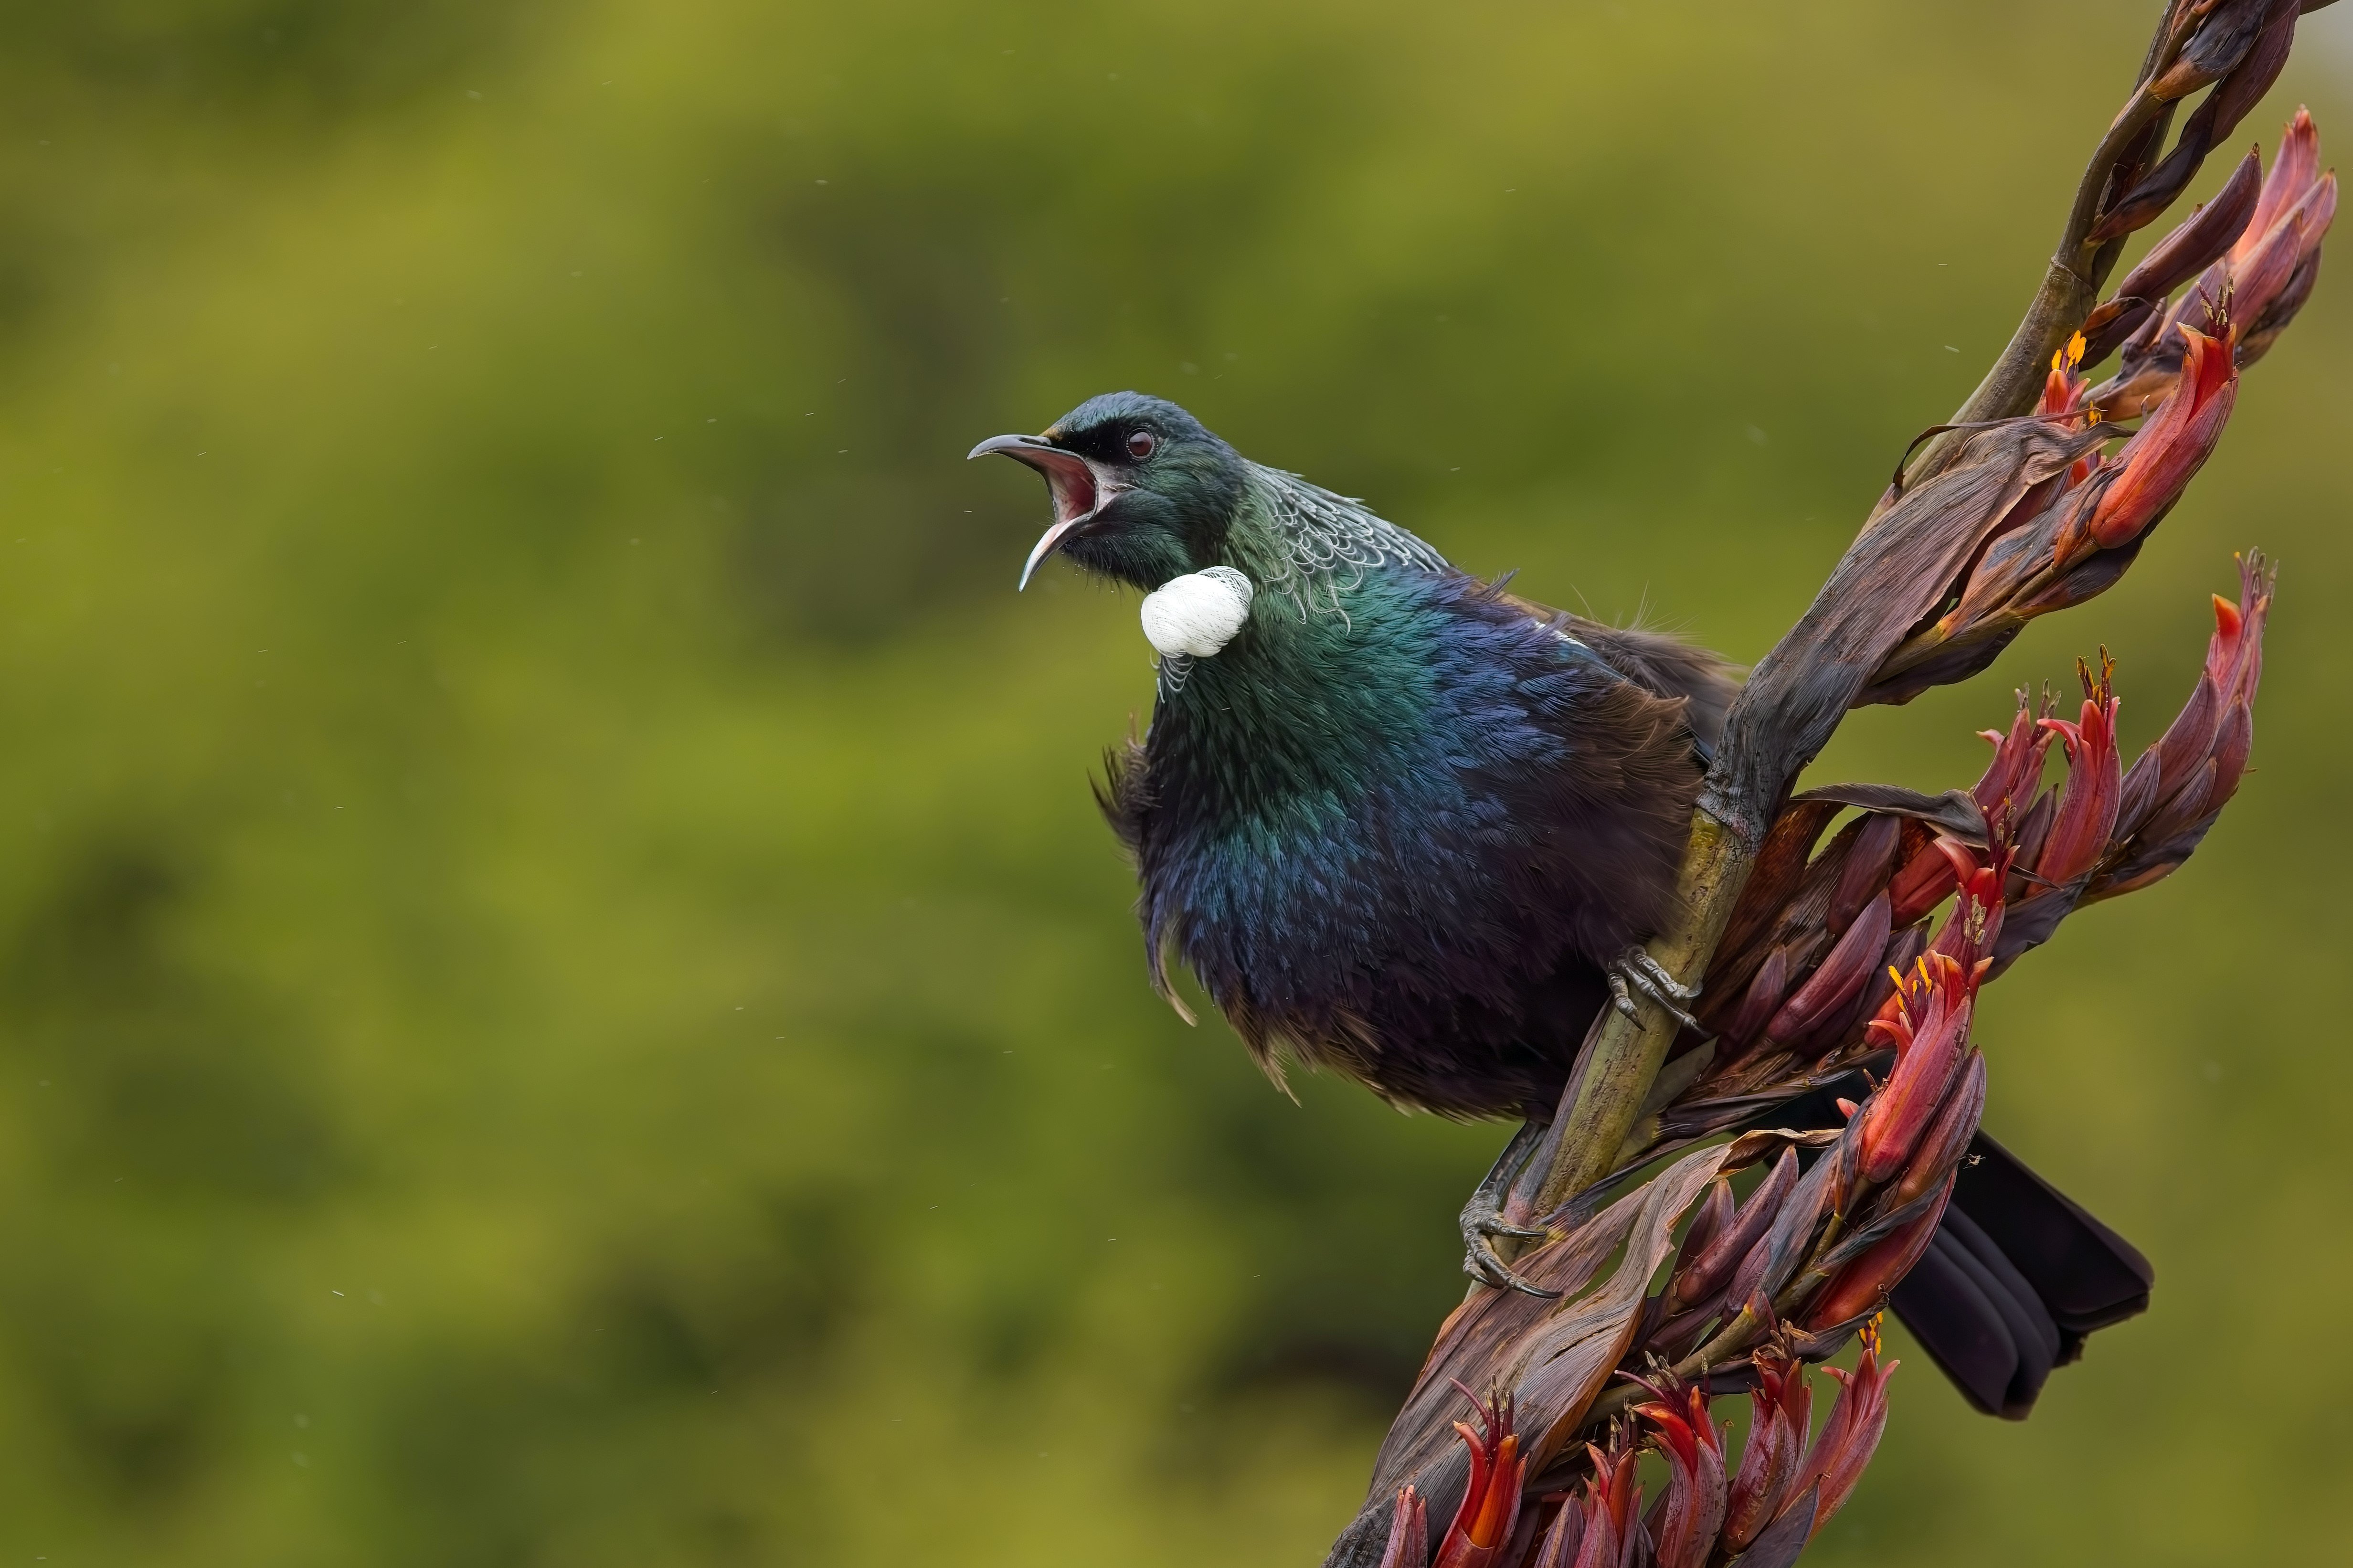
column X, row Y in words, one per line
column 1482, row 1263
column 1636, row 970
column 1475, row 1226
column 1483, row 1219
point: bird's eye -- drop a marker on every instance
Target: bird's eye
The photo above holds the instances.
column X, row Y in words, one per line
column 1142, row 444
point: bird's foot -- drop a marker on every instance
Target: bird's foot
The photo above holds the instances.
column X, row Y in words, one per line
column 1636, row 970
column 1484, row 1264
column 1483, row 1219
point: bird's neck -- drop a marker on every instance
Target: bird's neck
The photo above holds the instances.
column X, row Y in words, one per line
column 1301, row 709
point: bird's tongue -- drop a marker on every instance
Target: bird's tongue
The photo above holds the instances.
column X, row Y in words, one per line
column 1078, row 495
column 1071, row 482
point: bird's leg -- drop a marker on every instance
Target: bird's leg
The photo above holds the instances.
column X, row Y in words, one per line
column 1635, row 968
column 1482, row 1216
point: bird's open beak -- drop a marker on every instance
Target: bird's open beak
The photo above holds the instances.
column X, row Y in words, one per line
column 1079, row 488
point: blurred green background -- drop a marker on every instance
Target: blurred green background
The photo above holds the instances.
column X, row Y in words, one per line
column 562, row 998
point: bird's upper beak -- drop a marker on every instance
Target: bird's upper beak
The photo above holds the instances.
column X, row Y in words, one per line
column 1080, row 488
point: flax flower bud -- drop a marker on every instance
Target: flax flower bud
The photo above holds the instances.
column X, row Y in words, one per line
column 1761, row 1000
column 1490, row 1503
column 2295, row 168
column 2004, row 791
column 1409, row 1542
column 1865, row 1283
column 1840, row 977
column 1925, row 881
column 1707, row 1272
column 2263, row 281
column 1691, row 1515
column 1852, row 1433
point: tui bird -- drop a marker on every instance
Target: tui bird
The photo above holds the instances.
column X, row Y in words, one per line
column 1410, row 827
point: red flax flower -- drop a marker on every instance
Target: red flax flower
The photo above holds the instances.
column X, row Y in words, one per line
column 2070, row 535
column 1947, row 1138
column 2157, row 465
column 2263, row 278
column 2166, row 801
column 1599, row 1529
column 1684, row 1526
column 1490, row 1503
column 2270, row 270
column 2086, row 815
column 2063, row 388
column 2190, row 774
column 2002, row 792
column 1782, row 1413
column 2063, row 399
column 1926, row 880
column 2016, row 771
column 1916, row 1127
column 1851, row 1434
column 1928, row 1021
column 1862, row 1285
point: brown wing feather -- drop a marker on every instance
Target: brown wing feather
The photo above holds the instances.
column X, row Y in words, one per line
column 1656, row 662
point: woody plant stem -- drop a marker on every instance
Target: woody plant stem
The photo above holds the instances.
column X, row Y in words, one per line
column 1621, row 1057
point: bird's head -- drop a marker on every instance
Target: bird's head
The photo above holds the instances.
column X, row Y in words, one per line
column 1142, row 493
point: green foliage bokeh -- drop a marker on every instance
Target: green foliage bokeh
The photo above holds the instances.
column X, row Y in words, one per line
column 562, row 998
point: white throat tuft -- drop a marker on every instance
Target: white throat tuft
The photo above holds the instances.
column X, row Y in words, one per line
column 1194, row 616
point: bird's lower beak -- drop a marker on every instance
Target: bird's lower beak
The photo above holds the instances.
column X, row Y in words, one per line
column 1079, row 490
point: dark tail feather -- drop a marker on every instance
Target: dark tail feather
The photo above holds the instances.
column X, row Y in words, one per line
column 2017, row 1277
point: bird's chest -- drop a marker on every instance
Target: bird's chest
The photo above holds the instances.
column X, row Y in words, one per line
column 1300, row 841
